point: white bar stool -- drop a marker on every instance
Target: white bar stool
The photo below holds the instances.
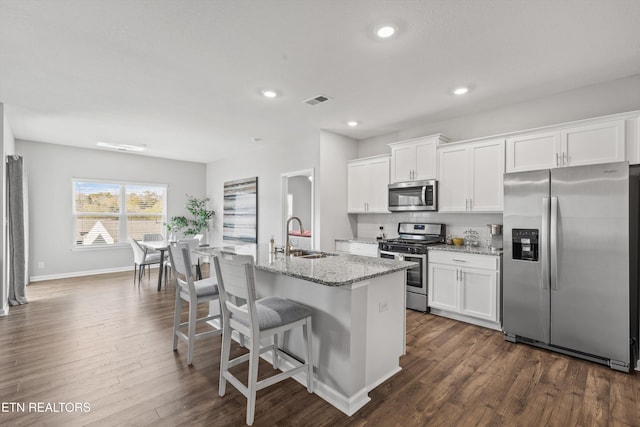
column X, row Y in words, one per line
column 259, row 318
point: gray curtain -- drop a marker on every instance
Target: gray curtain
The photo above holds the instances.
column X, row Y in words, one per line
column 17, row 231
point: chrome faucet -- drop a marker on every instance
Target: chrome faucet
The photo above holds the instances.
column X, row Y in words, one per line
column 287, row 247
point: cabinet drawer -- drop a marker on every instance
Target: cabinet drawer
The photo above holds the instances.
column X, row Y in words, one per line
column 488, row 262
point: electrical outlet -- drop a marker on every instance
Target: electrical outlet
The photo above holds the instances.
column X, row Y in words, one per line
column 40, row 264
column 383, row 306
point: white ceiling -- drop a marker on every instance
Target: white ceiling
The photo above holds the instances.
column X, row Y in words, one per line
column 184, row 77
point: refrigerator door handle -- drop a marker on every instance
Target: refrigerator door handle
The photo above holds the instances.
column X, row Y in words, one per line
column 544, row 242
column 553, row 237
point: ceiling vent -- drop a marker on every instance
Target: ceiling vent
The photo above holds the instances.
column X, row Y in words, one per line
column 318, row 100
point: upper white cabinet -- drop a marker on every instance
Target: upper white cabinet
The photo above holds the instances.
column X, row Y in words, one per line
column 571, row 146
column 367, row 185
column 596, row 143
column 470, row 177
column 533, row 151
column 415, row 159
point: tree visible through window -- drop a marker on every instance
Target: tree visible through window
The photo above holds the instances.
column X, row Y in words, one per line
column 108, row 213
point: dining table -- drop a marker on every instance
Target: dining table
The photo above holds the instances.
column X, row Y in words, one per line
column 162, row 246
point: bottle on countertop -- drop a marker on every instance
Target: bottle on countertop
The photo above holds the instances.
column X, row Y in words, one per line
column 272, row 245
column 381, row 233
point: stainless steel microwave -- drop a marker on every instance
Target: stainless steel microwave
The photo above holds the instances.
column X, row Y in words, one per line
column 414, row 196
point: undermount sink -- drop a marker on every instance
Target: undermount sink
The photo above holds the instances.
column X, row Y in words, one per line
column 301, row 253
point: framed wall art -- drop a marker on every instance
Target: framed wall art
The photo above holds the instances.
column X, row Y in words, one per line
column 240, row 212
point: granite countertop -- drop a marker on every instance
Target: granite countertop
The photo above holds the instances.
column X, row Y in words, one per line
column 335, row 270
column 479, row 250
column 360, row 240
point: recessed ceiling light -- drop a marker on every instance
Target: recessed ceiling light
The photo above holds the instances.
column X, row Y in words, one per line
column 385, row 32
column 269, row 93
column 461, row 90
column 122, row 147
column 352, row 123
column 256, row 139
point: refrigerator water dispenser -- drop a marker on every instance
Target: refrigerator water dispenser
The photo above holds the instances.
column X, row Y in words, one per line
column 525, row 244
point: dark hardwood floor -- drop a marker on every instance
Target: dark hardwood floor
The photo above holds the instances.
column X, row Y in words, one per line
column 103, row 341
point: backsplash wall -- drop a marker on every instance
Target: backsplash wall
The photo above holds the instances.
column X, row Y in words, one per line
column 368, row 225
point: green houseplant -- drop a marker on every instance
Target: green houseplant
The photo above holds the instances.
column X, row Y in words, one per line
column 200, row 221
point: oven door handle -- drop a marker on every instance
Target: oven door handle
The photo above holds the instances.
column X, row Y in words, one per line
column 424, row 195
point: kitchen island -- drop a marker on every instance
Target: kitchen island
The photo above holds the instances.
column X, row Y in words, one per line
column 358, row 306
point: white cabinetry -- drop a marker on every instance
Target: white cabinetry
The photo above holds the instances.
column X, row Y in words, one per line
column 367, row 185
column 600, row 142
column 357, row 248
column 470, row 177
column 415, row 159
column 465, row 287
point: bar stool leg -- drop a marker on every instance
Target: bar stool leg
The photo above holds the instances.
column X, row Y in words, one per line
column 254, row 358
column 176, row 318
column 307, row 332
column 224, row 357
column 276, row 362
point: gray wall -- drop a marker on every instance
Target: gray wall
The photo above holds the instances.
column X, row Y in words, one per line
column 335, row 151
column 50, row 169
column 267, row 162
column 325, row 152
column 616, row 96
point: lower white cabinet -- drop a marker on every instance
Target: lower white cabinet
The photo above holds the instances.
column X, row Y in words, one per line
column 357, row 248
column 465, row 287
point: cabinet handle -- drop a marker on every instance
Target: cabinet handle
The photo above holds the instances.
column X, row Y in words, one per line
column 457, row 274
column 461, row 275
column 557, row 159
column 466, row 204
column 470, row 204
column 459, row 260
column 565, row 159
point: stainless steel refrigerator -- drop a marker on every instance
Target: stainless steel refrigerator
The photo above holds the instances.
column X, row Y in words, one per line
column 570, row 261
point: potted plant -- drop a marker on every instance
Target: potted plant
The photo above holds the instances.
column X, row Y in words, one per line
column 196, row 225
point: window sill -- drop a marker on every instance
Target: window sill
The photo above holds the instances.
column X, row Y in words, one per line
column 100, row 248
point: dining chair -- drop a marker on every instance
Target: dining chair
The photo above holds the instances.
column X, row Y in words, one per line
column 257, row 319
column 142, row 259
column 151, row 237
column 194, row 292
column 193, row 244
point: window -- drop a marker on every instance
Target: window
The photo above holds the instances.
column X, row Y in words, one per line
column 108, row 213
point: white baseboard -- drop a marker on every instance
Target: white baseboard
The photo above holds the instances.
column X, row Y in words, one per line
column 456, row 316
column 78, row 274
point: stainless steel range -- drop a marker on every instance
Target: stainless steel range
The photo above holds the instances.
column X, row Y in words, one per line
column 411, row 245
